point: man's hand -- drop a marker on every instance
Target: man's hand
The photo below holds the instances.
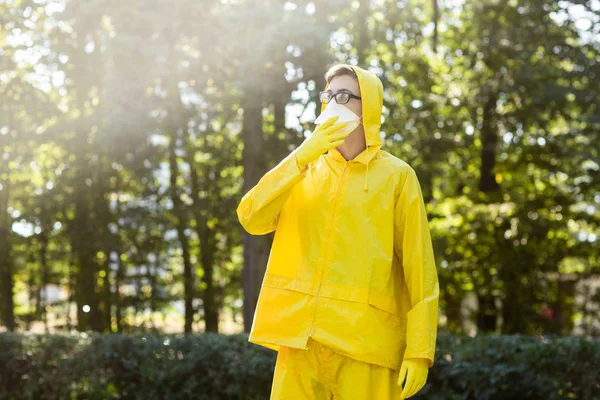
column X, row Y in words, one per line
column 321, row 140
column 415, row 371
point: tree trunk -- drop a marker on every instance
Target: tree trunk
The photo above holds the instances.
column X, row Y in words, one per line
column 487, row 313
column 104, row 216
column 363, row 32
column 119, row 302
column 211, row 310
column 180, row 225
column 7, row 306
column 152, row 272
column 6, row 274
column 256, row 248
column 436, row 20
column 452, row 310
column 83, row 237
column 489, row 143
column 71, row 289
column 207, row 248
column 45, row 275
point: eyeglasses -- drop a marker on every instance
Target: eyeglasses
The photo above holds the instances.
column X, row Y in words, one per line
column 340, row 98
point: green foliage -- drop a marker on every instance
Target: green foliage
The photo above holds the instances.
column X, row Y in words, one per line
column 207, row 366
column 514, row 367
column 211, row 366
column 123, row 129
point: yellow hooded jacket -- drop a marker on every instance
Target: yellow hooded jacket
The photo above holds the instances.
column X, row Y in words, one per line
column 352, row 263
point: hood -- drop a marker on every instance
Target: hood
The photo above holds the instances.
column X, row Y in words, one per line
column 371, row 93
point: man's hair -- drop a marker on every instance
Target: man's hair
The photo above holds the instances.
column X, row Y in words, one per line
column 338, row 70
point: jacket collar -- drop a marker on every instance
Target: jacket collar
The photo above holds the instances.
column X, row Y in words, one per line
column 364, row 157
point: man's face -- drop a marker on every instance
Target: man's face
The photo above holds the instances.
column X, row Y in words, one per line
column 346, row 83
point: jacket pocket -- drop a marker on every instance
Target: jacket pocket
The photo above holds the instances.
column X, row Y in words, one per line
column 288, row 283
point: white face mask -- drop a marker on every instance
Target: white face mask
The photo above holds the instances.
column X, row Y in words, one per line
column 344, row 114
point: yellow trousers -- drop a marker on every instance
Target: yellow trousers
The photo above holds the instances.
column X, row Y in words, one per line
column 319, row 373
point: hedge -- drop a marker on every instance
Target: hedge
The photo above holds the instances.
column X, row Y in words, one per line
column 213, row 366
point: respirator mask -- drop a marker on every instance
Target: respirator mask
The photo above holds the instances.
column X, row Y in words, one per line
column 344, row 114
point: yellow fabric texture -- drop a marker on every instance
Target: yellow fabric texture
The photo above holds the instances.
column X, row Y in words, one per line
column 351, row 264
column 319, row 373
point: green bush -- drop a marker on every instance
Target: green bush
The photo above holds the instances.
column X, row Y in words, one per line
column 211, row 366
column 206, row 366
column 514, row 367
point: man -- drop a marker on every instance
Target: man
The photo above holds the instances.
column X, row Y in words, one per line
column 350, row 294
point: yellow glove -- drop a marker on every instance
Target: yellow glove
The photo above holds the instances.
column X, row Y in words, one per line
column 415, row 371
column 321, row 140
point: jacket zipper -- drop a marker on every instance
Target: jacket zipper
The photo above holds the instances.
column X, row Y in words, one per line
column 312, row 327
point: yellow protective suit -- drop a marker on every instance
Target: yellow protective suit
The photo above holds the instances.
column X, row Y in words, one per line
column 352, row 264
column 319, row 373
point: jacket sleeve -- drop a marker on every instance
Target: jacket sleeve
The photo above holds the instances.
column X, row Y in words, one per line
column 259, row 209
column 413, row 247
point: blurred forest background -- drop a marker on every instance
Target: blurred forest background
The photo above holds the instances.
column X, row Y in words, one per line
column 129, row 130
